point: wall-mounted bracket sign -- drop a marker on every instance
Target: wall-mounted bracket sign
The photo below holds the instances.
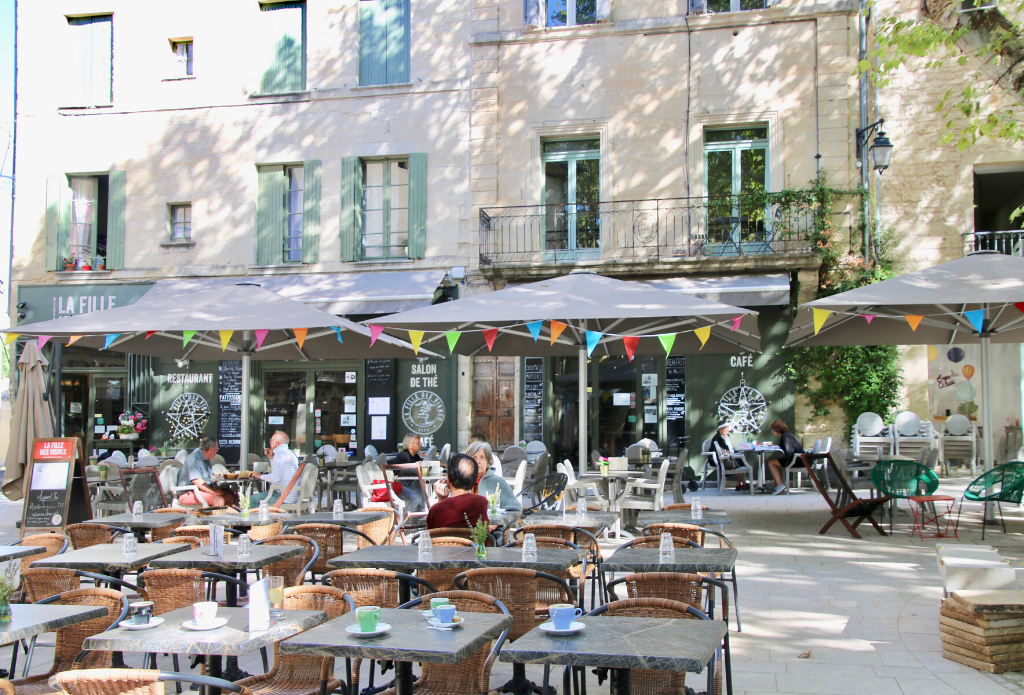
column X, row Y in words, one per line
column 49, row 503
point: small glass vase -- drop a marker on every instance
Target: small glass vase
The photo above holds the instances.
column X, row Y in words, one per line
column 5, row 611
column 481, row 551
column 245, row 512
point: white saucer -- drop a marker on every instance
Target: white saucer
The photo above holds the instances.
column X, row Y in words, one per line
column 456, row 622
column 428, row 614
column 356, row 632
column 129, row 625
column 214, row 624
column 549, row 627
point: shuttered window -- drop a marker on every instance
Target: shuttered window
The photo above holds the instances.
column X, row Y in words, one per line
column 282, row 47
column 288, row 214
column 90, row 67
column 85, row 219
column 384, row 208
column 383, row 41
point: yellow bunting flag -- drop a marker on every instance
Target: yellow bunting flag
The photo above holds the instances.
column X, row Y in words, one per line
column 820, row 315
column 914, row 320
column 703, row 334
column 416, row 337
column 300, row 335
column 556, row 330
column 10, row 338
column 74, row 339
column 225, row 338
column 667, row 341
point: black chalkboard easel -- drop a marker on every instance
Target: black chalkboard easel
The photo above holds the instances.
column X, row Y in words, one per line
column 51, row 502
column 379, row 382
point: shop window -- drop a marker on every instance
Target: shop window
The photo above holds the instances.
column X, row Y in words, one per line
column 91, row 65
column 288, row 214
column 572, row 192
column 736, row 174
column 182, row 58
column 384, row 50
column 181, row 222
column 85, row 219
column 283, row 43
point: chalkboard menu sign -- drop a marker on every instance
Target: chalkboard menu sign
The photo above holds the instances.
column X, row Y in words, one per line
column 51, row 472
column 229, row 398
column 675, row 399
column 379, row 382
column 533, row 399
column 142, row 485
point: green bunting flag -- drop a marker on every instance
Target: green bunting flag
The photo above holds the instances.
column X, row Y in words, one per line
column 667, row 341
column 453, row 337
column 186, row 336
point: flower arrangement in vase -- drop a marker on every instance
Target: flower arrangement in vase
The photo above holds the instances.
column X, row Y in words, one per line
column 8, row 584
column 245, row 499
column 480, row 536
column 131, row 425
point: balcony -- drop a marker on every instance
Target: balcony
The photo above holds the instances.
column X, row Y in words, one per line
column 1010, row 243
column 733, row 232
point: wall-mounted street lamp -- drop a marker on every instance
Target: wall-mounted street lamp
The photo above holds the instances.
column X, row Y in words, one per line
column 881, row 148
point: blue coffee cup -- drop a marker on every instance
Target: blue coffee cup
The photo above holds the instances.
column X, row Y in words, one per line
column 445, row 613
column 562, row 615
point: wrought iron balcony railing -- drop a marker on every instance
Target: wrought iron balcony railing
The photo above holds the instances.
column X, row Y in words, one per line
column 1009, row 242
column 645, row 229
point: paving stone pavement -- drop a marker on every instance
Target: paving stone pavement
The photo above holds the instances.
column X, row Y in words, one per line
column 865, row 610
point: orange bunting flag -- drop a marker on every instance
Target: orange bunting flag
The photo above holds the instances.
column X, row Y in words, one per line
column 630, row 341
column 556, row 329
column 490, row 334
column 74, row 339
column 300, row 336
column 703, row 334
column 914, row 321
column 416, row 337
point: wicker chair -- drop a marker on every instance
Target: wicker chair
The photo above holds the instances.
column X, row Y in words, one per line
column 674, row 586
column 648, row 682
column 190, row 540
column 69, row 639
column 200, row 531
column 518, row 590
column 686, row 531
column 44, row 582
column 262, row 533
column 54, row 543
column 124, row 681
column 452, row 532
column 583, row 538
column 655, row 542
column 328, row 538
column 680, row 506
column 471, row 676
column 551, row 593
column 443, row 579
column 382, row 531
column 294, row 568
column 6, row 687
column 85, row 535
column 301, row 675
column 159, row 534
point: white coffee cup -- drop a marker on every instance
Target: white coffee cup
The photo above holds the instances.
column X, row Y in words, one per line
column 204, row 612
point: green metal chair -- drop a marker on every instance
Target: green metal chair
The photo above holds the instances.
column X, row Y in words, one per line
column 1001, row 484
column 902, row 479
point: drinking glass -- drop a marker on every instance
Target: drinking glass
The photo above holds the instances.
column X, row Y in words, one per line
column 529, row 548
column 137, row 509
column 244, row 545
column 275, row 594
column 696, row 510
column 264, row 509
column 130, row 544
column 312, row 507
column 339, row 508
column 581, row 508
column 425, row 545
column 667, row 547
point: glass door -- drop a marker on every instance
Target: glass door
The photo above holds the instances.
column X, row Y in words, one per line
column 285, row 407
column 572, row 193
column 74, row 391
column 314, row 406
column 736, row 166
column 335, row 398
column 617, row 407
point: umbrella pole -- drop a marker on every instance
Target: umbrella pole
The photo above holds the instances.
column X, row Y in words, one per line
column 986, row 416
column 243, row 446
column 584, row 406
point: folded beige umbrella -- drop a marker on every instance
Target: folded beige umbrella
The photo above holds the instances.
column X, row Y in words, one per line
column 31, row 418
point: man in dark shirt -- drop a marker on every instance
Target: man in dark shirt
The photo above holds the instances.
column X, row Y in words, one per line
column 461, row 507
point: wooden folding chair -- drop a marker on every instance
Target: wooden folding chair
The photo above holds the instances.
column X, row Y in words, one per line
column 846, row 505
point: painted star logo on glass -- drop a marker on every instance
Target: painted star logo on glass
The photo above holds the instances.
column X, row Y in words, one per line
column 744, row 407
column 188, row 416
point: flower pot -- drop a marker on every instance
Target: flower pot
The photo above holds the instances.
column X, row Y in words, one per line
column 133, row 435
column 86, row 267
column 101, row 266
column 68, row 267
column 103, row 474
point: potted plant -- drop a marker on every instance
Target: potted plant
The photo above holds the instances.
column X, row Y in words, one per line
column 103, row 471
column 8, row 584
column 69, row 263
column 101, row 264
column 85, row 263
column 603, row 464
column 131, row 425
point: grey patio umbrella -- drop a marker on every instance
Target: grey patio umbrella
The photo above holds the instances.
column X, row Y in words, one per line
column 975, row 299
column 241, row 321
column 31, row 418
column 584, row 312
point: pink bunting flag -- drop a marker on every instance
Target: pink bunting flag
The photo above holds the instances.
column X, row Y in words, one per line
column 43, row 340
column 736, row 323
column 375, row 332
column 867, row 317
column 261, row 335
column 489, row 335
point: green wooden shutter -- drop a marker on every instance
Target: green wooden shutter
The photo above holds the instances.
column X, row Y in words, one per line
column 311, row 211
column 351, row 209
column 58, row 201
column 92, row 51
column 417, row 205
column 284, row 47
column 115, row 219
column 397, row 29
column 270, row 216
column 372, row 42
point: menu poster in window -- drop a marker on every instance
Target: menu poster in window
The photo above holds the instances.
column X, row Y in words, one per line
column 675, row 399
column 51, row 500
column 229, row 398
column 533, row 399
column 142, row 485
column 379, row 382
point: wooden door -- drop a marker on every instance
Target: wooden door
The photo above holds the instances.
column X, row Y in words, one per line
column 494, row 411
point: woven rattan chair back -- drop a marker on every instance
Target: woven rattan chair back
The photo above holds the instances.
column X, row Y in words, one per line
column 685, row 531
column 44, row 582
column 514, row 587
column 291, row 568
column 451, row 542
column 159, row 534
column 548, row 593
column 468, row 677
column 115, row 681
column 562, row 531
column 674, row 586
column 262, row 533
column 381, row 531
column 328, row 537
column 316, row 598
column 186, row 540
column 443, row 580
column 655, row 542
column 680, row 506
column 85, row 535
column 367, row 587
column 170, row 590
column 53, row 542
column 452, row 532
column 200, row 531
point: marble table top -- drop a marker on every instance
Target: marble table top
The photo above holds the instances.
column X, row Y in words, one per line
column 505, row 518
column 109, row 557
column 13, row 552
column 712, row 517
column 686, row 560
column 234, row 639
column 352, row 519
column 141, row 521
column 406, row 557
column 197, row 558
column 660, row 644
column 589, row 477
column 236, row 519
column 410, row 638
column 28, row 620
column 595, row 522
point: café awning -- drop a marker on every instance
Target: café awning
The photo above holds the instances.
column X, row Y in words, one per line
column 739, row 290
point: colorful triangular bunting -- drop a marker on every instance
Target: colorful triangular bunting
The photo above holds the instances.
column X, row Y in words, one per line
column 186, row 336
column 630, row 341
column 868, row 317
column 225, row 338
column 534, row 328
column 489, row 335
column 10, row 338
column 416, row 337
column 148, row 335
column 977, row 318
column 667, row 341
column 74, row 339
column 110, row 339
column 736, row 323
column 42, row 340
column 1020, row 306
column 593, row 338
column 375, row 332
column 453, row 337
column 337, row 330
column 556, row 329
column 914, row 320
column 820, row 315
column 703, row 334
column 300, row 336
column 261, row 335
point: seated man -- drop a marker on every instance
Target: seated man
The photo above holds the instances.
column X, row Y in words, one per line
column 283, row 465
column 487, row 481
column 197, row 471
column 461, row 508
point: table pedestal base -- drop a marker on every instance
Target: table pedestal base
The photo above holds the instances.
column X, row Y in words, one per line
column 521, row 685
column 213, row 669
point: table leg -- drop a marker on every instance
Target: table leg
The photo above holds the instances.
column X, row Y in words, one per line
column 403, row 678
column 621, row 684
column 404, row 592
column 213, row 664
column 231, row 669
column 521, row 685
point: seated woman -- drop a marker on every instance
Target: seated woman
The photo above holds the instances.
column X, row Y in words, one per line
column 197, row 471
column 725, row 445
column 791, row 448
